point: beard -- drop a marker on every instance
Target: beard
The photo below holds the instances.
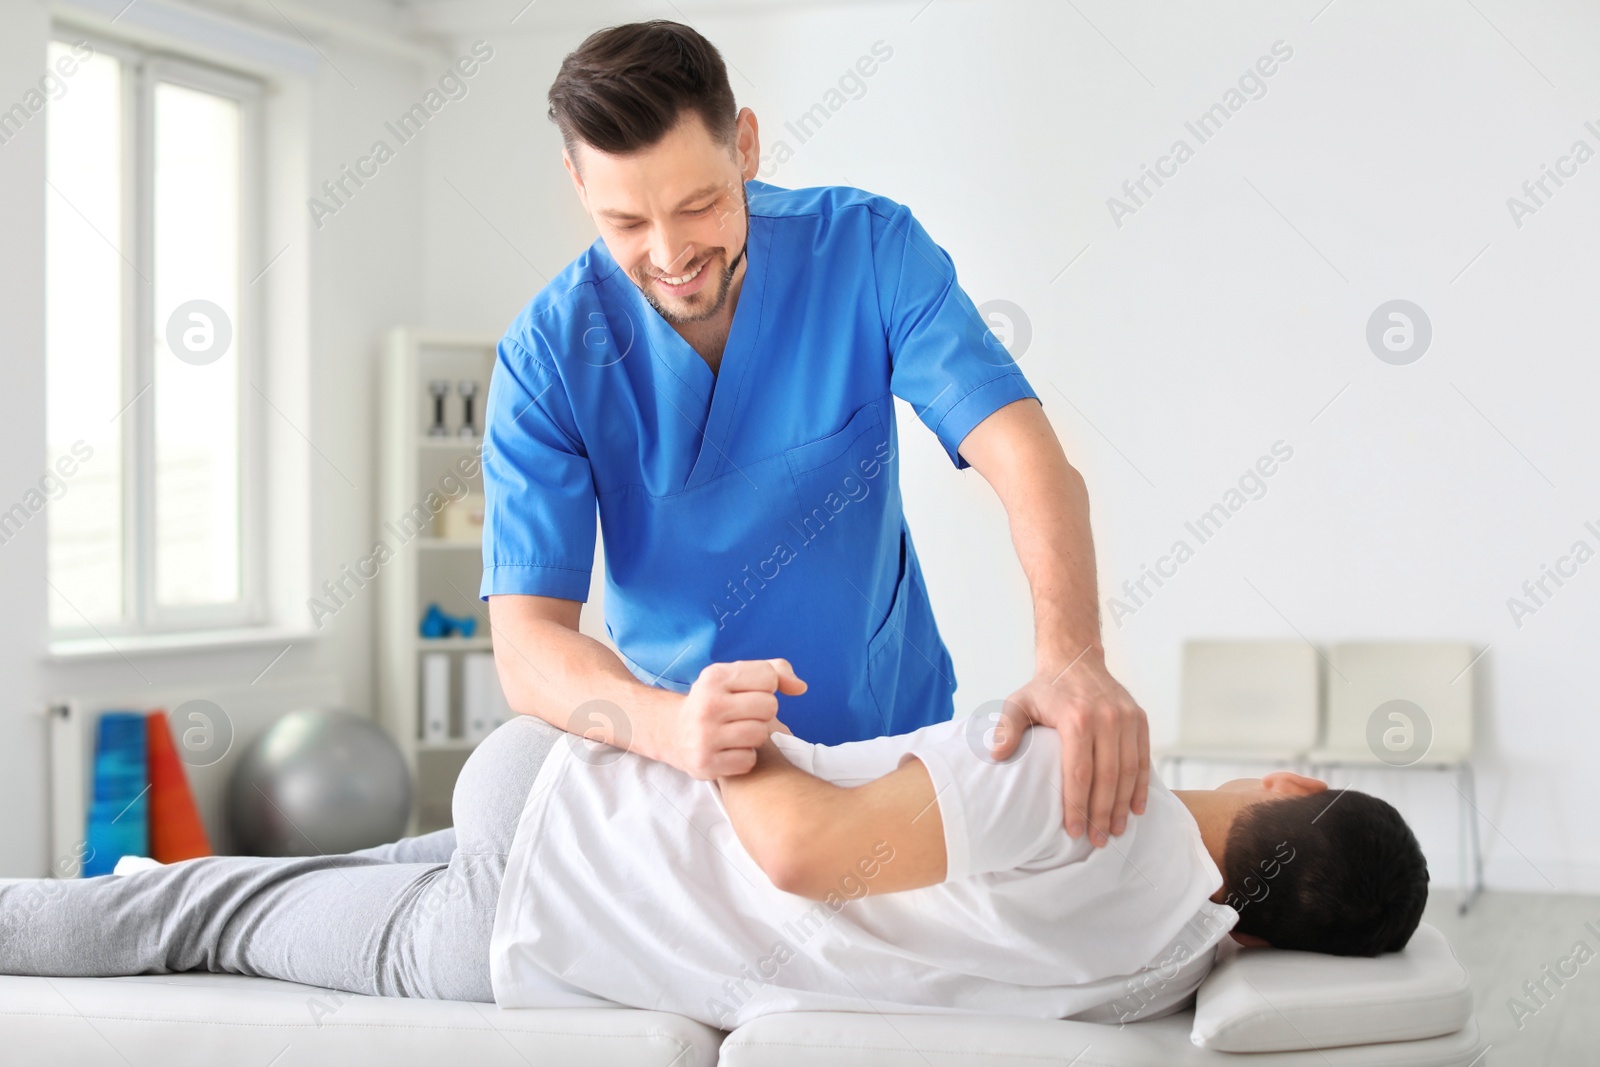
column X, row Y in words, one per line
column 723, row 283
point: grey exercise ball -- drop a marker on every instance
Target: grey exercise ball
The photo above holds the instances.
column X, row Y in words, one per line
column 319, row 783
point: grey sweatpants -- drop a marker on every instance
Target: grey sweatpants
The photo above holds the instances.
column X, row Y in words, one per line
column 407, row 919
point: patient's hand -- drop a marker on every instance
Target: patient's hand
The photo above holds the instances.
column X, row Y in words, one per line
column 728, row 713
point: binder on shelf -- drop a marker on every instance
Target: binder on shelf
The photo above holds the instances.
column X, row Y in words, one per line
column 435, row 696
column 483, row 702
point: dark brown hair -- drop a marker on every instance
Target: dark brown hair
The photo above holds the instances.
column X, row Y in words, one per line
column 626, row 86
column 1337, row 872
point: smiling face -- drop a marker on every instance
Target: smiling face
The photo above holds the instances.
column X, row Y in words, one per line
column 675, row 215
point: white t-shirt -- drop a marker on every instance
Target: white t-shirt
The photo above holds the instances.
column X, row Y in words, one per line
column 626, row 884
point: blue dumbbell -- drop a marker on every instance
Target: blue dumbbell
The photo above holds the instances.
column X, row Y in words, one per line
column 435, row 623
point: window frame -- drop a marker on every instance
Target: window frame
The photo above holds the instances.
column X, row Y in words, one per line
column 143, row 68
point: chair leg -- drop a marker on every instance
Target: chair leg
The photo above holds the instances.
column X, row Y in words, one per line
column 1461, row 848
column 1470, row 890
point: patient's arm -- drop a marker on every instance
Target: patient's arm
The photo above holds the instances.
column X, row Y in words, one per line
column 808, row 834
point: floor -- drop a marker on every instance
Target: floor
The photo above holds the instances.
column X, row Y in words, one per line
column 1508, row 939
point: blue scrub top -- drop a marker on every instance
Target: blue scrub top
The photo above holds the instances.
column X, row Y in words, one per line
column 753, row 512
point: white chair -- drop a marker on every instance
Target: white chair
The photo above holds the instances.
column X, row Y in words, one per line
column 1246, row 702
column 1409, row 705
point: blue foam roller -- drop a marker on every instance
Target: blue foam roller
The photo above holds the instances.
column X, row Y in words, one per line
column 119, row 814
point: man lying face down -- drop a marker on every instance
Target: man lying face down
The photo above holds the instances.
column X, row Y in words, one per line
column 900, row 874
column 917, row 874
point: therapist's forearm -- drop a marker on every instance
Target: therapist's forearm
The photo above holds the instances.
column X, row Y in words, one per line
column 1047, row 503
column 1105, row 737
column 551, row 671
column 1056, row 548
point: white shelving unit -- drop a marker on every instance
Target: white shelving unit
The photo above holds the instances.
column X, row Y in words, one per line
column 424, row 569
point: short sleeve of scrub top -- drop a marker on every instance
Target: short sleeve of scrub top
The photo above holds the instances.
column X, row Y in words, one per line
column 947, row 363
column 535, row 467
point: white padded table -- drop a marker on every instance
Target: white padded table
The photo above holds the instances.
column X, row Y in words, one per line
column 209, row 1020
column 835, row 1039
column 199, row 1019
column 1419, row 992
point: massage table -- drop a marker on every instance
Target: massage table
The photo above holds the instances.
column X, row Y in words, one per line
column 1407, row 1008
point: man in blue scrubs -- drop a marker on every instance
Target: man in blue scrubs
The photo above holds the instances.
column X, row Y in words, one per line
column 715, row 375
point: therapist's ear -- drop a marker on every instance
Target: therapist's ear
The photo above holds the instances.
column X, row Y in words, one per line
column 748, row 144
column 577, row 178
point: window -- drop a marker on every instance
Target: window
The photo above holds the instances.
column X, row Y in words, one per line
column 151, row 213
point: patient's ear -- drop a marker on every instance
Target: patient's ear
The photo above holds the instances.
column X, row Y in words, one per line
column 1289, row 784
column 1250, row 940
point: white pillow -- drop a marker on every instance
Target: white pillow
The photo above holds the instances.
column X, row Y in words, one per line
column 1274, row 1000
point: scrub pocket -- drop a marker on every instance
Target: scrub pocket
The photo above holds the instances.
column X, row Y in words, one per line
column 909, row 670
column 860, row 560
column 841, row 452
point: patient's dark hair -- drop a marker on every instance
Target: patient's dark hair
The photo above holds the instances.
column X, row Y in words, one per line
column 1337, row 872
column 626, row 86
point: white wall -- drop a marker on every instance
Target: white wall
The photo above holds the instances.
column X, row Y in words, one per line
column 365, row 276
column 1223, row 316
column 22, row 455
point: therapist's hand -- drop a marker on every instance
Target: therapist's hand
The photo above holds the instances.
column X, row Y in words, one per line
column 1105, row 745
column 728, row 713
